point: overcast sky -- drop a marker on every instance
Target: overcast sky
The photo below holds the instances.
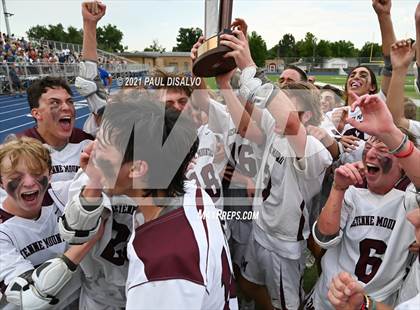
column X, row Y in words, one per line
column 143, row 21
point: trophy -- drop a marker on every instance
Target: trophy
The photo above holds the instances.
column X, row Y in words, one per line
column 210, row 61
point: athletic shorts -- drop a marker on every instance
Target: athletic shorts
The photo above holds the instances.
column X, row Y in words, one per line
column 283, row 277
column 240, row 234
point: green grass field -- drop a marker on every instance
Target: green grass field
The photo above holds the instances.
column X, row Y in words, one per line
column 337, row 80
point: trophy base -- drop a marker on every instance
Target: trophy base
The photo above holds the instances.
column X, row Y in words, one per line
column 211, row 61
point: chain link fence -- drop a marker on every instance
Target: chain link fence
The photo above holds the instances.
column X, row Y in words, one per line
column 27, row 72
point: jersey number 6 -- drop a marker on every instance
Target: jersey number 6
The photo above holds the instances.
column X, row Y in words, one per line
column 365, row 260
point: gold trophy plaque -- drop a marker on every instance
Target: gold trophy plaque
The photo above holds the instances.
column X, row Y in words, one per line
column 210, row 55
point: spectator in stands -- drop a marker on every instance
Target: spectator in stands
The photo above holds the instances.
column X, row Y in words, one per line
column 32, row 54
column 10, row 57
column 6, row 45
column 15, row 81
column 106, row 78
column 292, row 74
column 52, row 58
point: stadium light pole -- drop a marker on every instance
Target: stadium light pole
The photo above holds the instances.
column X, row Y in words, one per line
column 6, row 17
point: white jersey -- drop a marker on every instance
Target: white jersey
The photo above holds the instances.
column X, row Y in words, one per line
column 66, row 162
column 105, row 267
column 345, row 157
column 181, row 260
column 411, row 285
column 348, row 129
column 25, row 244
column 204, row 171
column 3, row 195
column 372, row 243
column 412, row 304
column 242, row 154
column 285, row 187
column 328, row 125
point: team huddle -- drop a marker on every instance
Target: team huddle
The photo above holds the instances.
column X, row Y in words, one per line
column 125, row 213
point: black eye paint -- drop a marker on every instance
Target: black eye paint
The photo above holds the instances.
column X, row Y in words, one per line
column 365, row 150
column 43, row 181
column 12, row 186
column 55, row 112
column 386, row 163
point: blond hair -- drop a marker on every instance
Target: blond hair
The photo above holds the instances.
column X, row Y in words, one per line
column 37, row 158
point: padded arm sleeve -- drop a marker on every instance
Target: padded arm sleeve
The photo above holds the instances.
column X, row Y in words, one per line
column 90, row 87
column 38, row 289
column 81, row 220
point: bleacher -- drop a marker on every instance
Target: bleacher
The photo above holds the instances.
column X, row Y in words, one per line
column 55, row 59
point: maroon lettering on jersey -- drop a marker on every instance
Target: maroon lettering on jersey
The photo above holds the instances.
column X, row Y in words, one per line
column 168, row 248
column 4, row 216
column 371, row 253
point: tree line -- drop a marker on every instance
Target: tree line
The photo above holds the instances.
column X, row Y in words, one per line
column 287, row 48
column 109, row 38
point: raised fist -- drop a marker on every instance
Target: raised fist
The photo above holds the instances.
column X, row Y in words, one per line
column 93, row 11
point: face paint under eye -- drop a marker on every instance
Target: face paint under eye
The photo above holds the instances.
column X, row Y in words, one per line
column 386, row 163
column 12, row 187
column 43, row 181
column 365, row 150
column 55, row 112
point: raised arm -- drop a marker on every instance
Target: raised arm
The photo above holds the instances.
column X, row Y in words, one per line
column 417, row 19
column 85, row 83
column 377, row 121
column 287, row 120
column 328, row 223
column 402, row 54
column 245, row 125
column 280, row 106
column 383, row 11
column 92, row 12
column 200, row 95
